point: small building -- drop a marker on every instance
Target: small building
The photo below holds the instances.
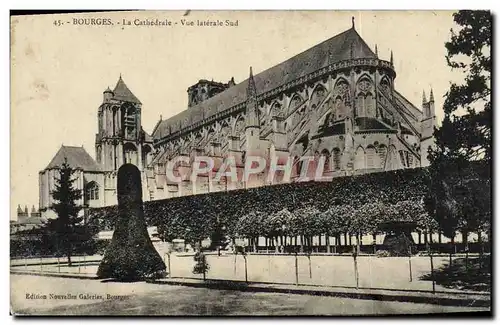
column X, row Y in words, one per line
column 87, row 178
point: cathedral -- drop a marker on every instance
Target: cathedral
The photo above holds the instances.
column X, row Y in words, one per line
column 335, row 100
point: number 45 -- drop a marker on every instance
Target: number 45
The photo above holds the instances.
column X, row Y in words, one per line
column 57, row 22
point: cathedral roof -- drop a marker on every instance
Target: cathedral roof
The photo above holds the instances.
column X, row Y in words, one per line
column 344, row 46
column 121, row 92
column 77, row 157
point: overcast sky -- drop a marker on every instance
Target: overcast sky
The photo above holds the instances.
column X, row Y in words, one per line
column 59, row 72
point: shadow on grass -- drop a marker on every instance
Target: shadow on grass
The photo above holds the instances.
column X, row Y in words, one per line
column 472, row 274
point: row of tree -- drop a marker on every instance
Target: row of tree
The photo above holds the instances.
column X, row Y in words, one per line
column 308, row 222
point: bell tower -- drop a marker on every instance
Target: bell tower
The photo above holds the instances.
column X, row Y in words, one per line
column 120, row 137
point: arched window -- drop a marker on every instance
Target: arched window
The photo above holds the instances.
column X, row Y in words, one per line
column 359, row 160
column 92, row 191
column 130, row 153
column 371, row 157
column 382, row 153
column 326, row 155
column 336, row 159
column 410, row 160
column 385, row 85
column 342, row 98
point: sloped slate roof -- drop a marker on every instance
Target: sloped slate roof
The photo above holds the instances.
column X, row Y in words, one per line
column 370, row 123
column 335, row 49
column 77, row 158
column 121, row 92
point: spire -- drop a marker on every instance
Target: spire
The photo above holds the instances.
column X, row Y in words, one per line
column 353, row 26
column 122, row 92
column 376, row 50
column 33, row 209
column 108, row 90
column 251, row 90
column 431, row 98
column 26, row 209
column 424, row 100
column 392, row 59
column 19, row 210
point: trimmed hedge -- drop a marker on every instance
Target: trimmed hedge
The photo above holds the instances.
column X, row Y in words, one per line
column 195, row 217
column 386, row 187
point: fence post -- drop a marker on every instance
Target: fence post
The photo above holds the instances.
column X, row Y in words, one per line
column 356, row 274
column 84, row 262
column 296, row 268
column 204, row 259
column 169, row 268
column 246, row 272
column 41, row 265
column 234, row 264
column 58, row 265
column 310, row 269
column 432, row 273
column 409, row 263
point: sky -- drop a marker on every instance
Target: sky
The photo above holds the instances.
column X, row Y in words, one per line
column 58, row 73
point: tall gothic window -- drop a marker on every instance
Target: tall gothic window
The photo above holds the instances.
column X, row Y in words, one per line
column 341, row 93
column 326, row 155
column 336, row 159
column 385, row 85
column 92, row 191
column 371, row 157
column 364, row 98
column 359, row 160
column 382, row 152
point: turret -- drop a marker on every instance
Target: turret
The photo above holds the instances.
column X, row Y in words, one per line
column 107, row 95
column 205, row 89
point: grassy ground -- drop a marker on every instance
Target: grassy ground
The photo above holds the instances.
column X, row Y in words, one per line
column 374, row 272
column 141, row 298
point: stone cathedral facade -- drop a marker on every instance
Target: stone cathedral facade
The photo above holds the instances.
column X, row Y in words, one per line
column 336, row 100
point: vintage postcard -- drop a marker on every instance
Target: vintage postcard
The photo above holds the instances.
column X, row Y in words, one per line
column 250, row 163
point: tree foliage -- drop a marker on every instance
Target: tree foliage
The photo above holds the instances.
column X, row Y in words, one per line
column 465, row 133
column 67, row 231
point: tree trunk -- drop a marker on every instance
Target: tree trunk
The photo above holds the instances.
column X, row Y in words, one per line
column 358, row 242
column 350, row 240
column 319, row 242
column 255, row 244
column 481, row 249
column 452, row 248
column 68, row 253
column 465, row 240
column 440, row 238
column 327, row 239
column 419, row 237
column 374, row 236
column 427, row 247
column 302, row 244
column 276, row 245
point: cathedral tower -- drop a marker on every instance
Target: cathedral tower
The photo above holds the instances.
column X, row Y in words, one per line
column 120, row 138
